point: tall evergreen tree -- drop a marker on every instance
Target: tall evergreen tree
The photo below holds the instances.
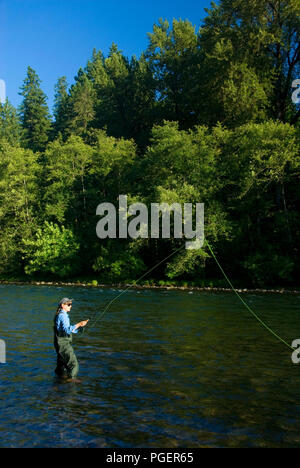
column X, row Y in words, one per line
column 173, row 57
column 82, row 97
column 61, row 109
column 124, row 94
column 10, row 127
column 34, row 113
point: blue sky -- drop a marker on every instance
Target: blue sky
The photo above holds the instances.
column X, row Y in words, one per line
column 56, row 37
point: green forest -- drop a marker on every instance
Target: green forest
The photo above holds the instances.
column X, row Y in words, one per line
column 202, row 116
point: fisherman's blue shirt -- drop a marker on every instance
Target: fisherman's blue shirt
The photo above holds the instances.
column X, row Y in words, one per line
column 62, row 324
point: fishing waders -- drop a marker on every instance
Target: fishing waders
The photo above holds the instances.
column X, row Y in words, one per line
column 66, row 358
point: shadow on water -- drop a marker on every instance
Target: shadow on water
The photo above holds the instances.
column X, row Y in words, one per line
column 161, row 369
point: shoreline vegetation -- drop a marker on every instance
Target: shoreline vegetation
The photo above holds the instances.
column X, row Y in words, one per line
column 202, row 116
column 154, row 285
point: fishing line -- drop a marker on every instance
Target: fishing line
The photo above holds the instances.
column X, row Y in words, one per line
column 225, row 276
column 245, row 303
column 134, row 283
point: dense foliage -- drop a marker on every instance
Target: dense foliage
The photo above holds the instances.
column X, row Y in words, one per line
column 202, row 116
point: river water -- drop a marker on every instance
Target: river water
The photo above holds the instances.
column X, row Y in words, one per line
column 161, row 369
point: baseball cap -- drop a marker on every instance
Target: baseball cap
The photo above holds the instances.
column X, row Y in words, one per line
column 65, row 300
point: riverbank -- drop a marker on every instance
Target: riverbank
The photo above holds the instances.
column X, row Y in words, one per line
column 186, row 287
